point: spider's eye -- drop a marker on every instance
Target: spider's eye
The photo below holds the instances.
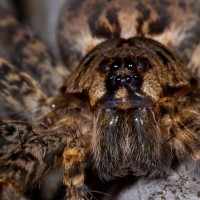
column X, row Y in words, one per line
column 128, row 79
column 135, row 76
column 116, row 64
column 104, row 65
column 111, row 77
column 118, row 80
column 143, row 65
column 129, row 64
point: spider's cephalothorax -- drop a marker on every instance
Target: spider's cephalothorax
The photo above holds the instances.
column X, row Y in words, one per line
column 139, row 94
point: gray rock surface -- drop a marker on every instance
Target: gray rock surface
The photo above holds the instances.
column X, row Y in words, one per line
column 181, row 184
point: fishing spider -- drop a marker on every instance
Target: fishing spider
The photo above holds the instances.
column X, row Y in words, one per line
column 130, row 108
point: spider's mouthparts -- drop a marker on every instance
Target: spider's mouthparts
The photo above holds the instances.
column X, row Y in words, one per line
column 131, row 101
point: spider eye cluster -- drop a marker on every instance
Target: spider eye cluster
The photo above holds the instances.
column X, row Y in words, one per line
column 123, row 71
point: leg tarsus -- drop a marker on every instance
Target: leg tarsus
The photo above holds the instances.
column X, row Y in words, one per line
column 8, row 191
column 76, row 193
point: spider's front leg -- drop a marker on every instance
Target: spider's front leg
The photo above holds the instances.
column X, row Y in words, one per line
column 62, row 143
column 8, row 191
column 76, row 154
column 74, row 164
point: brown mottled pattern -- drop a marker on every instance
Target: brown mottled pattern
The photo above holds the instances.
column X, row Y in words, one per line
column 175, row 24
column 23, row 49
column 40, row 153
column 131, row 107
column 20, row 95
column 28, row 151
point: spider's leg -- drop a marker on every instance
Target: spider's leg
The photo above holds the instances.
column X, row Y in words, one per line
column 38, row 150
column 20, row 94
column 8, row 191
column 24, row 49
column 13, row 137
column 184, row 128
column 74, row 160
column 37, row 156
column 30, row 161
column 76, row 154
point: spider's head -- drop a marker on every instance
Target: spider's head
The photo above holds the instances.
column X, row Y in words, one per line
column 124, row 81
column 122, row 77
column 126, row 74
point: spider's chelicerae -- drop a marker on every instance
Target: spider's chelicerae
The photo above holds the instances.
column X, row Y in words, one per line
column 130, row 107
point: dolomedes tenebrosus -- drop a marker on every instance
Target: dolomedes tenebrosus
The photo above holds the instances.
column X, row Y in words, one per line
column 130, row 108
